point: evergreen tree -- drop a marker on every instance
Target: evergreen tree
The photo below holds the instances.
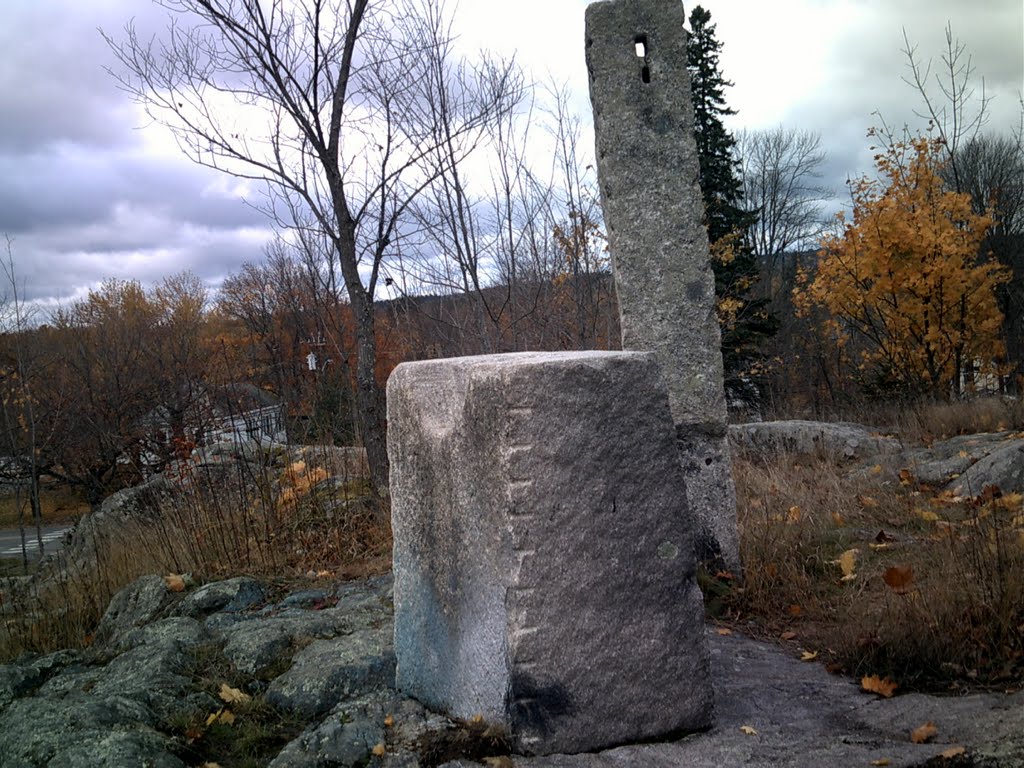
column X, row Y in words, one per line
column 745, row 321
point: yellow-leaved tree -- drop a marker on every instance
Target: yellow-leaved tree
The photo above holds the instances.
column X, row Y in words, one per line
column 907, row 279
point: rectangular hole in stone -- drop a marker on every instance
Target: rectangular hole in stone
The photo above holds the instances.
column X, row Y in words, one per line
column 641, row 46
column 645, row 74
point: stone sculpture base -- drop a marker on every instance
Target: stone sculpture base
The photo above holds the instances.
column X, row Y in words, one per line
column 543, row 549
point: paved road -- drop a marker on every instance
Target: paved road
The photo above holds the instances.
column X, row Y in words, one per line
column 10, row 540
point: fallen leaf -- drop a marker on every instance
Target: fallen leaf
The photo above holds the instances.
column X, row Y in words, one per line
column 899, row 577
column 795, row 610
column 227, row 717
column 876, row 470
column 927, row 515
column 192, row 733
column 838, row 519
column 906, row 477
column 389, row 721
column 808, row 656
column 379, row 750
column 499, row 762
column 213, row 717
column 881, row 761
column 232, row 695
column 476, row 719
column 923, row 733
column 867, row 501
column 963, row 454
column 793, row 515
column 724, row 576
column 210, row 765
column 724, row 631
column 847, row 561
column 952, row 752
column 748, row 730
column 874, row 546
column 175, row 582
column 883, row 687
column 788, row 635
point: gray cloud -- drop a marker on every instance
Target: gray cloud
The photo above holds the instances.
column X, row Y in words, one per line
column 84, row 196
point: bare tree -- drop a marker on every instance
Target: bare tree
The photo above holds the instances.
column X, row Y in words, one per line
column 19, row 407
column 322, row 100
column 989, row 167
column 780, row 170
column 953, row 103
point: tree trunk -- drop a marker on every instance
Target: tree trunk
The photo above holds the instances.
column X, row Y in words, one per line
column 370, row 399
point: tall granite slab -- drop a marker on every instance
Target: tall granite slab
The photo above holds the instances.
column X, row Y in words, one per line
column 648, row 173
column 543, row 551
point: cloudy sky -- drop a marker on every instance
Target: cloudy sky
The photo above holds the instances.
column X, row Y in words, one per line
column 89, row 191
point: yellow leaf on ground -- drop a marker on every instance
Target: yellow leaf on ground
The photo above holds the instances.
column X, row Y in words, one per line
column 923, row 733
column 867, row 501
column 389, row 721
column 952, row 752
column 848, row 561
column 926, row 514
column 175, row 582
column 899, row 577
column 906, row 477
column 876, row 470
column 881, row 761
column 874, row 684
column 499, row 762
column 808, row 656
column 838, row 519
column 793, row 515
column 227, row 717
column 724, row 631
column 210, row 765
column 748, row 730
column 232, row 695
column 379, row 750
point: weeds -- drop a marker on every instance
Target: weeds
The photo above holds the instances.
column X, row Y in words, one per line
column 280, row 513
column 881, row 576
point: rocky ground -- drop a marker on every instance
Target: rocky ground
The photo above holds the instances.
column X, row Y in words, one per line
column 240, row 672
column 304, row 677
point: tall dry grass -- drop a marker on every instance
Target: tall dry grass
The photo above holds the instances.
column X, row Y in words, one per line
column 879, row 574
column 288, row 514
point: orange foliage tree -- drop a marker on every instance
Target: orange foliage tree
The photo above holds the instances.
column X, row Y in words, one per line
column 906, row 277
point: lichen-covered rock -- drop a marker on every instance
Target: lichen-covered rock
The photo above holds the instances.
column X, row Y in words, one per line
column 230, row 596
column 82, row 730
column 837, row 440
column 328, row 671
column 140, row 602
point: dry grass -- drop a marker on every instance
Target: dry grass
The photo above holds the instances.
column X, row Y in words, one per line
column 279, row 520
column 58, row 505
column 879, row 576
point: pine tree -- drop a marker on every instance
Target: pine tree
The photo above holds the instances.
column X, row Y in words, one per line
column 745, row 321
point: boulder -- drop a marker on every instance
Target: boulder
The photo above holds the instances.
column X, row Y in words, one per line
column 835, row 440
column 543, row 549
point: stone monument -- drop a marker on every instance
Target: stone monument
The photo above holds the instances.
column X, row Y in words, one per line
column 543, row 553
column 648, row 172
